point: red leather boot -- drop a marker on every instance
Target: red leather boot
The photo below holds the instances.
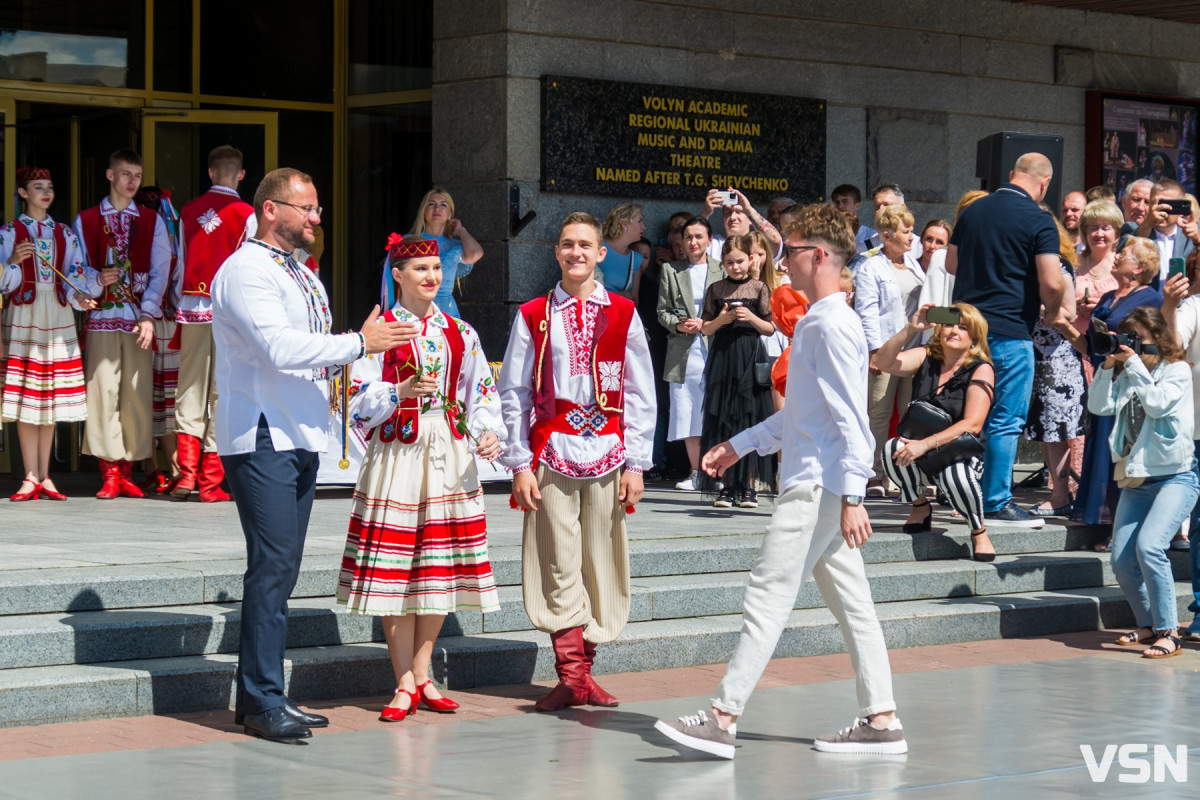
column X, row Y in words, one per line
column 569, row 663
column 596, row 695
column 128, row 487
column 111, row 473
column 187, row 451
column 212, row 472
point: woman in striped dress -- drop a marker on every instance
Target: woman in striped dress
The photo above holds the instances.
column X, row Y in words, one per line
column 43, row 373
column 417, row 545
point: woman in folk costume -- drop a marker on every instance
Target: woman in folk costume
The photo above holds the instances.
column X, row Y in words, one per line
column 43, row 381
column 166, row 352
column 417, row 546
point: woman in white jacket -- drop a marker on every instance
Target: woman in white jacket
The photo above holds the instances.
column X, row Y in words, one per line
column 1151, row 396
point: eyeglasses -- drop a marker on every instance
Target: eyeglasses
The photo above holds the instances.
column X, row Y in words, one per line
column 307, row 211
column 790, row 250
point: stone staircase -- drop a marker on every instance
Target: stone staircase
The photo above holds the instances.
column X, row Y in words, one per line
column 90, row 642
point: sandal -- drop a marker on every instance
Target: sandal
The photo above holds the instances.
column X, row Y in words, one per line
column 1158, row 651
column 1135, row 637
column 925, row 524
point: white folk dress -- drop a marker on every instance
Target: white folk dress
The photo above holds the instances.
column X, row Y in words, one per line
column 417, row 542
column 43, row 372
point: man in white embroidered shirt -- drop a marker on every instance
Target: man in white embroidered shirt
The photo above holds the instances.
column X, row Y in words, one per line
column 827, row 448
column 270, row 323
column 578, row 358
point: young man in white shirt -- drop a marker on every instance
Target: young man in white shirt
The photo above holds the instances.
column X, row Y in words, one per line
column 827, row 448
column 578, row 359
column 270, row 322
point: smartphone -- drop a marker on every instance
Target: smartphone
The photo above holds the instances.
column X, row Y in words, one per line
column 728, row 198
column 1086, row 300
column 734, row 304
column 1175, row 266
column 942, row 315
column 1181, row 206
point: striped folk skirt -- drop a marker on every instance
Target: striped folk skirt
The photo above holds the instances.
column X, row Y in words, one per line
column 418, row 535
column 166, row 378
column 43, row 373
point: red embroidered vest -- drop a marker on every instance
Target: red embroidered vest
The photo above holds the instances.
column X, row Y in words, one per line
column 210, row 238
column 98, row 237
column 28, row 289
column 607, row 347
column 400, row 364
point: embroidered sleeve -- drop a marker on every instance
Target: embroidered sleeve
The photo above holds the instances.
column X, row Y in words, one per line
column 10, row 274
column 478, row 390
column 516, row 397
column 641, row 405
column 372, row 399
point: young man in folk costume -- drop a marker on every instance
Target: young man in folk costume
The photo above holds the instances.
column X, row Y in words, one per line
column 42, row 375
column 129, row 264
column 214, row 225
column 577, row 357
column 166, row 349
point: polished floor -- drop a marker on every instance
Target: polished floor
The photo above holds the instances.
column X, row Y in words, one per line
column 1004, row 731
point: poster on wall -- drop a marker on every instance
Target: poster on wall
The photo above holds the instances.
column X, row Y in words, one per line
column 654, row 141
column 1138, row 136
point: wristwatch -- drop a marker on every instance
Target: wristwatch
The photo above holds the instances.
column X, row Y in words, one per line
column 852, row 499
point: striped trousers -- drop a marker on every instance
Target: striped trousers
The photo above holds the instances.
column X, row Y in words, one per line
column 575, row 557
column 959, row 482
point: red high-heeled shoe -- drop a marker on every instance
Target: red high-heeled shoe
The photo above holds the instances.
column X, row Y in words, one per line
column 29, row 494
column 51, row 494
column 394, row 714
column 442, row 705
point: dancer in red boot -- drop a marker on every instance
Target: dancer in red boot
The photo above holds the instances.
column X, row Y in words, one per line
column 128, row 268
column 577, row 357
column 214, row 225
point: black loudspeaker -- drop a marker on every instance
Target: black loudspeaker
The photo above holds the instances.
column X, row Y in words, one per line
column 995, row 156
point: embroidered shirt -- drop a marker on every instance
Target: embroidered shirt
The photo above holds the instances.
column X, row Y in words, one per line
column 42, row 235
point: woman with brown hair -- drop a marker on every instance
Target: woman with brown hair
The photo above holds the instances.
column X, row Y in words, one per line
column 1146, row 389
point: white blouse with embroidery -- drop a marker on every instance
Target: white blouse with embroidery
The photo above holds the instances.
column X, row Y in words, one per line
column 584, row 455
column 44, row 242
column 373, row 395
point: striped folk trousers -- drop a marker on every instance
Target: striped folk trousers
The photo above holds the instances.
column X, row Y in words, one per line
column 575, row 557
column 959, row 482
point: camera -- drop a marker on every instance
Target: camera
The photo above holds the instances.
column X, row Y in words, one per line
column 1105, row 342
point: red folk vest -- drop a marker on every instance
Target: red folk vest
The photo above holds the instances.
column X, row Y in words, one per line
column 400, row 364
column 28, row 289
column 609, row 338
column 214, row 225
column 98, row 237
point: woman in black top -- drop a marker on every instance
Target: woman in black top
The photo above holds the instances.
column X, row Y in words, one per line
column 953, row 372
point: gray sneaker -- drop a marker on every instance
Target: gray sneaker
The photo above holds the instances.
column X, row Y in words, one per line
column 700, row 732
column 1012, row 516
column 862, row 738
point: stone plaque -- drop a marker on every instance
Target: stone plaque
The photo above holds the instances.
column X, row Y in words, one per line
column 644, row 140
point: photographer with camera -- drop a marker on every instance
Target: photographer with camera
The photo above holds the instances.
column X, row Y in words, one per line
column 1168, row 209
column 952, row 380
column 1145, row 386
column 739, row 218
column 1136, row 265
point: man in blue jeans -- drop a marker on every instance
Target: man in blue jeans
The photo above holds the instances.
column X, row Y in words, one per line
column 1004, row 253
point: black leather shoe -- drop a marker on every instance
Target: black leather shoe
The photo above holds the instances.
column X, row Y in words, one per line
column 303, row 717
column 275, row 725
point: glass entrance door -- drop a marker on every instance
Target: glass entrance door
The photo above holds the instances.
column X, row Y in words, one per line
column 176, row 144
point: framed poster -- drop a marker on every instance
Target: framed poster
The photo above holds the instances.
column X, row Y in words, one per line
column 1132, row 136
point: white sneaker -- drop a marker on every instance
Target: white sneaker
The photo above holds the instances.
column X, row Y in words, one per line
column 688, row 484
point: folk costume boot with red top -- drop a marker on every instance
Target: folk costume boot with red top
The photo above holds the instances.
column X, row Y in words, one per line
column 187, row 451
column 571, row 665
column 212, row 472
column 128, row 487
column 110, row 471
column 596, row 695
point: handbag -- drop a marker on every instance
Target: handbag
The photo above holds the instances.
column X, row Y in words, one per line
column 923, row 419
column 762, row 366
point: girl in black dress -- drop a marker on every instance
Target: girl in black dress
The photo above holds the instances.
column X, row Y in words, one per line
column 736, row 312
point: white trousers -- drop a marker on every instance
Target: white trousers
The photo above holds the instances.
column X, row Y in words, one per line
column 804, row 536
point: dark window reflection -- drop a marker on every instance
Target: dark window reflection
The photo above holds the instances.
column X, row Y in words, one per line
column 391, row 46
column 82, row 42
column 172, row 46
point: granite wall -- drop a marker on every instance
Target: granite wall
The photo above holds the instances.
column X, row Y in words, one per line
column 911, row 86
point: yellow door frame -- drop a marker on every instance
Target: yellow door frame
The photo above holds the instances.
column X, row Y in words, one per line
column 153, row 117
column 8, row 177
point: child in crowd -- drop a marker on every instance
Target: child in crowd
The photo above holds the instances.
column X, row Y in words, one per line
column 41, row 269
column 736, row 314
column 417, row 546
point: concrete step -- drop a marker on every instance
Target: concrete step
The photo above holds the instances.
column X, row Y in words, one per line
column 90, row 637
column 79, row 589
column 165, row 685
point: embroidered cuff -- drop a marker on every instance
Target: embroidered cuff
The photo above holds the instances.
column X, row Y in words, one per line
column 633, row 469
column 522, row 468
column 362, row 345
